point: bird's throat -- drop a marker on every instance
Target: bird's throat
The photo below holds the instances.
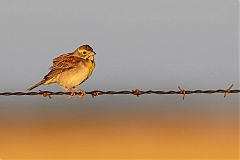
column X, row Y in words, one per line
column 91, row 58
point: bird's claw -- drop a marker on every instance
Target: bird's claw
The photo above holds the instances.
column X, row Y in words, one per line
column 81, row 94
column 71, row 95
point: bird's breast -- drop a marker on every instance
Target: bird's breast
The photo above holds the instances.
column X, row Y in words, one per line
column 77, row 75
column 91, row 67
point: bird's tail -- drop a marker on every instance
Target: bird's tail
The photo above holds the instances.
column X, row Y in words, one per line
column 36, row 85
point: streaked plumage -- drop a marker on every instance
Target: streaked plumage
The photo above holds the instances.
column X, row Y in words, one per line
column 71, row 69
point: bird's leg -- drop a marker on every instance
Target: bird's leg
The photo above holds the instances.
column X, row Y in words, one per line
column 81, row 93
column 71, row 93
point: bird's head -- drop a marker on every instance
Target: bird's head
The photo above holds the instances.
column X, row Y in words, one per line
column 85, row 52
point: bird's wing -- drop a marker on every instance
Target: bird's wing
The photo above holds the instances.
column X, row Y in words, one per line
column 63, row 63
column 60, row 60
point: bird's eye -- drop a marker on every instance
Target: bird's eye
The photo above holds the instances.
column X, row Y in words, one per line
column 84, row 52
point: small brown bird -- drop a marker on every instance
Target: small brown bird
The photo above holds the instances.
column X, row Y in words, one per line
column 71, row 69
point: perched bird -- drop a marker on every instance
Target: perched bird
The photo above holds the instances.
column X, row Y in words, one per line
column 71, row 69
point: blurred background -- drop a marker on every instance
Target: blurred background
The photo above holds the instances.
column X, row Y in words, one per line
column 156, row 44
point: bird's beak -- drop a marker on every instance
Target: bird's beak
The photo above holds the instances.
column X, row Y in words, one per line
column 93, row 53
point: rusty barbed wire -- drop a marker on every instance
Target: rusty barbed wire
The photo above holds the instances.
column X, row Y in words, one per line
column 135, row 92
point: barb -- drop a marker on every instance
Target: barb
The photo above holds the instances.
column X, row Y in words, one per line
column 228, row 90
column 182, row 91
column 135, row 92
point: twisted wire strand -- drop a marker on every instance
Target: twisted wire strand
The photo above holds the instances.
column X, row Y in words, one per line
column 136, row 92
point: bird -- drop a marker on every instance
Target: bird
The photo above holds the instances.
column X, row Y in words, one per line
column 70, row 70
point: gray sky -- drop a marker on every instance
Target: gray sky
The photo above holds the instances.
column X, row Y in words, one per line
column 140, row 44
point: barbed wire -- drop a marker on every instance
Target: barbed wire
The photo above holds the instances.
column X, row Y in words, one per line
column 135, row 92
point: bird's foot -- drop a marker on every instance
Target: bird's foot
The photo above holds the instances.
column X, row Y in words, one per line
column 71, row 95
column 81, row 93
